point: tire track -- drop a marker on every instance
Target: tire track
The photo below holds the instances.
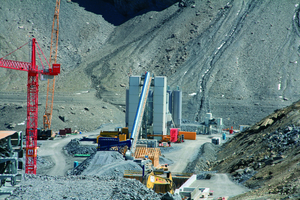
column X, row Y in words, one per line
column 216, row 54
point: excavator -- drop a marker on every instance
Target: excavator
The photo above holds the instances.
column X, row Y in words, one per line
column 46, row 132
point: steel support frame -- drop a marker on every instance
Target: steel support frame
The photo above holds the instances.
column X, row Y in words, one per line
column 32, row 115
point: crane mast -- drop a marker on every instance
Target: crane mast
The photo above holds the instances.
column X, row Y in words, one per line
column 32, row 101
column 53, row 58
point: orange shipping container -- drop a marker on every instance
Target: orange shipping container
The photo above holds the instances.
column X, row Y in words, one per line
column 188, row 135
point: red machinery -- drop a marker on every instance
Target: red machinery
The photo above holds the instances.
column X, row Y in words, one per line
column 32, row 101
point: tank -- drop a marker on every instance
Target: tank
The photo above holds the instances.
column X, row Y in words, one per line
column 150, row 108
column 224, row 136
column 75, row 164
column 208, row 117
column 127, row 108
column 177, row 107
column 170, row 102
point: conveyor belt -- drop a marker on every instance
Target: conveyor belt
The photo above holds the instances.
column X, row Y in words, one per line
column 139, row 113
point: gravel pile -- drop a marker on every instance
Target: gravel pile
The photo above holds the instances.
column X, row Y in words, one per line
column 283, row 139
column 164, row 150
column 42, row 162
column 74, row 147
column 81, row 187
column 163, row 161
column 278, row 142
column 206, row 155
column 242, row 175
column 105, row 163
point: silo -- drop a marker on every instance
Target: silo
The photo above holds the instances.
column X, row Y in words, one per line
column 149, row 108
column 177, row 107
column 127, row 108
column 133, row 99
column 159, row 105
column 219, row 124
column 148, row 116
column 170, row 102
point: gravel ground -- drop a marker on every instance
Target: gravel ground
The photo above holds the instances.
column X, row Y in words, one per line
column 163, row 160
column 43, row 162
column 71, row 187
column 74, row 147
column 206, row 155
column 283, row 139
column 164, row 150
column 105, row 163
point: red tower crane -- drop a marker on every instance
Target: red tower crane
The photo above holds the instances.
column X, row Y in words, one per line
column 32, row 101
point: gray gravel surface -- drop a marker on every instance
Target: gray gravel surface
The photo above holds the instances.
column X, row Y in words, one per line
column 74, row 147
column 229, row 49
column 283, row 139
column 163, row 160
column 169, row 149
column 105, row 163
column 43, row 162
column 206, row 155
column 81, row 187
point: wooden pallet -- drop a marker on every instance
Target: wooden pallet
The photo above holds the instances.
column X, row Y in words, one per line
column 152, row 153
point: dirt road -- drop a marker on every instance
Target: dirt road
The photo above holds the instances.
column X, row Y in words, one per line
column 54, row 150
column 221, row 186
column 186, row 152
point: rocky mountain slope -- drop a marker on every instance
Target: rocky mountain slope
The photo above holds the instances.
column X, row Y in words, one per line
column 266, row 157
column 236, row 59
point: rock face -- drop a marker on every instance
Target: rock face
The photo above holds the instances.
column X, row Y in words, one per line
column 236, row 59
column 132, row 7
column 266, row 156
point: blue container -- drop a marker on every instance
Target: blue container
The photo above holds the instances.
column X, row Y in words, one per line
column 75, row 164
column 224, row 136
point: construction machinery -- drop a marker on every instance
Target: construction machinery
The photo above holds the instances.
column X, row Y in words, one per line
column 113, row 144
column 160, row 181
column 46, row 132
column 120, row 139
column 11, row 154
column 32, row 98
column 113, row 140
column 119, row 132
column 167, row 138
column 139, row 116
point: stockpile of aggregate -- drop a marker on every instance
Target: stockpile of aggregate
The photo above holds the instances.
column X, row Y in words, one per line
column 74, row 147
column 207, row 154
column 81, row 187
column 105, row 163
column 278, row 143
column 42, row 162
column 165, row 161
column 283, row 138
